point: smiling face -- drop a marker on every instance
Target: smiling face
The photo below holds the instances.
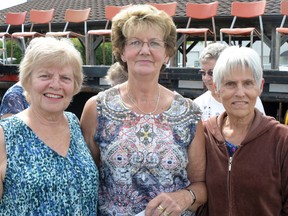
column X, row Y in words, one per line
column 238, row 93
column 51, row 88
column 146, row 59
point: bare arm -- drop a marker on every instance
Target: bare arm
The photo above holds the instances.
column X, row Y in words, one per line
column 88, row 123
column 197, row 167
column 176, row 202
column 3, row 161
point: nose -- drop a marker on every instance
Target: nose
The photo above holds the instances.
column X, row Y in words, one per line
column 206, row 76
column 55, row 82
column 145, row 47
column 240, row 91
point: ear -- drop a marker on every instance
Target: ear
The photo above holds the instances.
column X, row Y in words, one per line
column 261, row 87
column 216, row 92
column 123, row 58
column 166, row 60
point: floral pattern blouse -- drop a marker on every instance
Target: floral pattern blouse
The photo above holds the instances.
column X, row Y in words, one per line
column 141, row 155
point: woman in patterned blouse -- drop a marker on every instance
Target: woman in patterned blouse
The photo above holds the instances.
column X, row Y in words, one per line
column 45, row 165
column 147, row 140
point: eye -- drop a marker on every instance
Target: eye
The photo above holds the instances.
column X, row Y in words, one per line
column 66, row 78
column 249, row 83
column 154, row 44
column 230, row 84
column 203, row 73
column 210, row 73
column 43, row 76
column 134, row 43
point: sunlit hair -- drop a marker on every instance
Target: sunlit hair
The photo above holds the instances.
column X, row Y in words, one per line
column 116, row 74
column 236, row 58
column 138, row 18
column 212, row 51
column 50, row 52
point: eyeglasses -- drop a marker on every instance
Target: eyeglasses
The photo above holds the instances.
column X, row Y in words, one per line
column 204, row 73
column 152, row 44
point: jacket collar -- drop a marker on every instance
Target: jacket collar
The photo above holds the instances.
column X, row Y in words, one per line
column 260, row 125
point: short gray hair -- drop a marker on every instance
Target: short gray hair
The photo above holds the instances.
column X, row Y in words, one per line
column 212, row 51
column 235, row 58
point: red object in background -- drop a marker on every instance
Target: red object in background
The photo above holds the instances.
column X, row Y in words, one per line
column 9, row 78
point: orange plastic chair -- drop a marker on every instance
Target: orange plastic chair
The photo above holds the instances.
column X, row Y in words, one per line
column 73, row 16
column 246, row 10
column 12, row 19
column 281, row 31
column 110, row 12
column 169, row 8
column 200, row 12
column 36, row 17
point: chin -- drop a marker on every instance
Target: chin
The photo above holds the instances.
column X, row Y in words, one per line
column 236, row 113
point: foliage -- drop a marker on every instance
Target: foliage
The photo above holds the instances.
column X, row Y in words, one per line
column 17, row 53
column 108, row 54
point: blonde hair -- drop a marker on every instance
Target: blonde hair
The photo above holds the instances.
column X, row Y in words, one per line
column 116, row 74
column 136, row 18
column 49, row 51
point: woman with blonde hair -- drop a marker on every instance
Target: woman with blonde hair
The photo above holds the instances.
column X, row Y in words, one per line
column 147, row 141
column 45, row 165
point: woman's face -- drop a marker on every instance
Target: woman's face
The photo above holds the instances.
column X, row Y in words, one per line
column 207, row 73
column 51, row 88
column 238, row 93
column 145, row 53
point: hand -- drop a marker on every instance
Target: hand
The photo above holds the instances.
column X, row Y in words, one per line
column 168, row 204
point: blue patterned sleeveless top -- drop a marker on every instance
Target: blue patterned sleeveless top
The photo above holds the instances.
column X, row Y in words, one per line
column 39, row 181
column 141, row 155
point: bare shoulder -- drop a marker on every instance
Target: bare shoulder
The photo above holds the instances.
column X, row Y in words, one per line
column 91, row 101
column 168, row 94
column 89, row 115
column 89, row 106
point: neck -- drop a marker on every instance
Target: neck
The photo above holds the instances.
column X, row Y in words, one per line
column 142, row 102
column 235, row 130
column 45, row 120
column 215, row 96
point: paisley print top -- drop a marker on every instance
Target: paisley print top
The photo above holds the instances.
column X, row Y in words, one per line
column 39, row 181
column 13, row 101
column 141, row 155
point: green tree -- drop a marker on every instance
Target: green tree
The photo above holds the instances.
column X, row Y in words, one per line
column 17, row 53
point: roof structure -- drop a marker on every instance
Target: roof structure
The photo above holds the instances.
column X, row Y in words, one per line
column 98, row 7
column 271, row 19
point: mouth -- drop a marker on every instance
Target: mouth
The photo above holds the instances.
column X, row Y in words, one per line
column 54, row 96
column 145, row 61
column 239, row 103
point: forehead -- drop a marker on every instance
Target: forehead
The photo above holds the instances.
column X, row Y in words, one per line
column 146, row 32
column 239, row 74
column 208, row 63
column 54, row 69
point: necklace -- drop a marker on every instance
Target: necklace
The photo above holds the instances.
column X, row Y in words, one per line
column 135, row 104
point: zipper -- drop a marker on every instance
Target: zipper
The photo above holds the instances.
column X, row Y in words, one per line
column 229, row 184
column 230, row 206
column 230, row 163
